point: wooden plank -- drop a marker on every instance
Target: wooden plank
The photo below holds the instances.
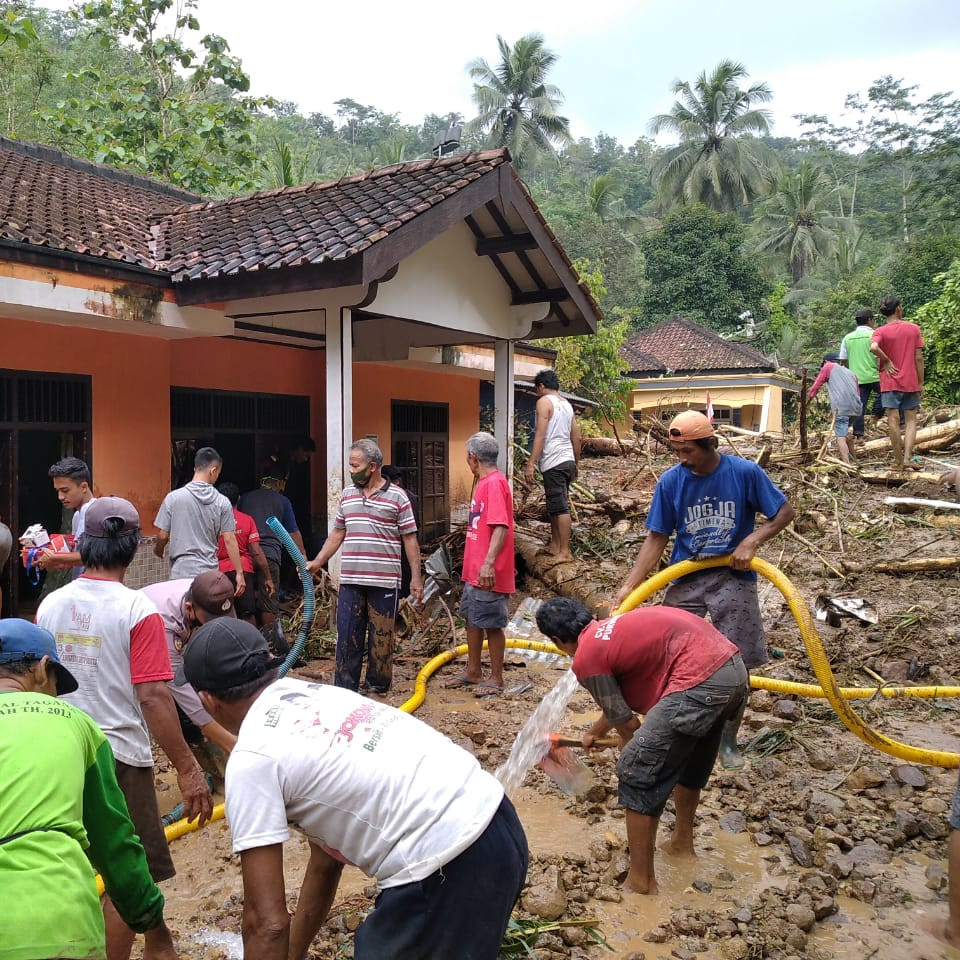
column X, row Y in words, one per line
column 551, row 295
column 488, row 246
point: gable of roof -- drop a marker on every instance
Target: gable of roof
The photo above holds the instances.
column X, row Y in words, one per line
column 683, row 346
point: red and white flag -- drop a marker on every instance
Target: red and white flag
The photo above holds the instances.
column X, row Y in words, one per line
column 709, row 407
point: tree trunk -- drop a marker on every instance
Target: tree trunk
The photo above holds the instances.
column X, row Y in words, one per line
column 896, row 478
column 930, row 565
column 573, row 579
column 934, row 432
column 803, row 409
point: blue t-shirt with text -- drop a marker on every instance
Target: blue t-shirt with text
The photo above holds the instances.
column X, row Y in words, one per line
column 712, row 514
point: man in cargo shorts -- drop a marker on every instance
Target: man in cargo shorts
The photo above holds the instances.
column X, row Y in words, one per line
column 711, row 501
column 688, row 681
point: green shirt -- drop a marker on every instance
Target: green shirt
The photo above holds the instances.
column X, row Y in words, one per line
column 855, row 349
column 60, row 799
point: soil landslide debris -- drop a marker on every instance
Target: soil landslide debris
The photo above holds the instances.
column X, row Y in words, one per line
column 819, row 847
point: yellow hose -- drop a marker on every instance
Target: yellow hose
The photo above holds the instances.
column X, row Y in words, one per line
column 818, row 660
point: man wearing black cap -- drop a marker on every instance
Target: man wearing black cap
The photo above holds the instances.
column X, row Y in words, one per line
column 61, row 804
column 183, row 606
column 112, row 639
column 368, row 785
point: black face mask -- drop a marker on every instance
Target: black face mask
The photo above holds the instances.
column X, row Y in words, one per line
column 361, row 478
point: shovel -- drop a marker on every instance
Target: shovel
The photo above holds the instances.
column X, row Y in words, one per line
column 567, row 770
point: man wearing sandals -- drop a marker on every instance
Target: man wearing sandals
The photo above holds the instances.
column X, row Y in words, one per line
column 898, row 347
column 487, row 576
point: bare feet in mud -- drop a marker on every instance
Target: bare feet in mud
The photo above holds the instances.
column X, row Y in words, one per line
column 643, row 885
column 941, row 930
column 679, row 851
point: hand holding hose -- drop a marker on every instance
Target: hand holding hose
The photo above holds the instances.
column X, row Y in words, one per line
column 197, row 799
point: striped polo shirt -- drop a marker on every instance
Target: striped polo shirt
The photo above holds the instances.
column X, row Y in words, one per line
column 371, row 549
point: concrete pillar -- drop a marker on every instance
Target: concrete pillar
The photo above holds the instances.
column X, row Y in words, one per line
column 339, row 396
column 765, row 409
column 503, row 404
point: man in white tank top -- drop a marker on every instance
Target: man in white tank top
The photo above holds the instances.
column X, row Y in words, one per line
column 556, row 451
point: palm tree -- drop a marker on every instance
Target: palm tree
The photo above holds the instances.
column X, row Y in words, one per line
column 793, row 222
column 516, row 107
column 714, row 164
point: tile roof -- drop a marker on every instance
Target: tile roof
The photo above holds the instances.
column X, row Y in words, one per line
column 309, row 224
column 50, row 199
column 678, row 345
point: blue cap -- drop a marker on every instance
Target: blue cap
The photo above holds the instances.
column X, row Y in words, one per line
column 22, row 640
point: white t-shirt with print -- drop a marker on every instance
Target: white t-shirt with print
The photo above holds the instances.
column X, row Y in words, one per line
column 373, row 785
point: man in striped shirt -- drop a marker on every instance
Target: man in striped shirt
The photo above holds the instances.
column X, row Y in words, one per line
column 374, row 522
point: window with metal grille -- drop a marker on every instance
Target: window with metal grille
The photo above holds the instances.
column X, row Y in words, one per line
column 209, row 410
column 44, row 399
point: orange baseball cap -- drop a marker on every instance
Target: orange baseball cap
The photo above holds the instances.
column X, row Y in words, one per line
column 690, row 425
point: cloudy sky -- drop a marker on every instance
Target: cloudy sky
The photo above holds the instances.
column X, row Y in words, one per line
column 618, row 59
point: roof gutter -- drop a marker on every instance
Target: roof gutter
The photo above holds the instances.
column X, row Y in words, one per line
column 71, row 262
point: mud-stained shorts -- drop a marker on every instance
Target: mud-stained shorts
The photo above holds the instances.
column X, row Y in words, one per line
column 136, row 784
column 556, row 487
column 955, row 810
column 484, row 609
column 366, row 627
column 679, row 739
column 732, row 604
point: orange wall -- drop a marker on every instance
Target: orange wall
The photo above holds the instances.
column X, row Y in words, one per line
column 375, row 385
column 213, row 363
column 130, row 399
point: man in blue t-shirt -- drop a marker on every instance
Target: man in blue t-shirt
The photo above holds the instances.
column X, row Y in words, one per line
column 710, row 502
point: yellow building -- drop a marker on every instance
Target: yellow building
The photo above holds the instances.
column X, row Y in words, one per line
column 680, row 365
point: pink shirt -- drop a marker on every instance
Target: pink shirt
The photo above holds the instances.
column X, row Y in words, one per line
column 899, row 340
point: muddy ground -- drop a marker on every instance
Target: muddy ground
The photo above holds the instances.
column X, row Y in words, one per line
column 820, row 847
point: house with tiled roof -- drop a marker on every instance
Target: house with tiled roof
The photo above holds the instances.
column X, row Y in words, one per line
column 680, row 365
column 140, row 322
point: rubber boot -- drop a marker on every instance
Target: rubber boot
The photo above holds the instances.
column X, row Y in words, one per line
column 730, row 756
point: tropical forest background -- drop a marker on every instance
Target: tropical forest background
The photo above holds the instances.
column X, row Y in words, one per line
column 774, row 241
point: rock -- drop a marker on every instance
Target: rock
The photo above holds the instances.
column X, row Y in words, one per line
column 797, row 939
column 551, row 942
column 896, row 671
column 906, row 823
column 910, row 776
column 824, row 907
column 545, row 898
column 618, row 869
column 743, row 915
column 734, row 949
column 840, row 867
column 787, row 710
column 771, row 769
column 636, row 955
column 733, row 822
column 477, row 734
column 596, row 794
column 762, row 839
column 822, row 803
column 599, row 850
column 800, row 916
column 574, row 936
column 934, row 805
column 761, row 701
column 657, row 935
column 823, row 836
column 863, row 778
column 869, row 852
column 860, row 890
column 819, row 760
column 726, row 928
column 799, row 850
column 936, row 877
column 933, row 828
column 703, row 886
column 608, row 893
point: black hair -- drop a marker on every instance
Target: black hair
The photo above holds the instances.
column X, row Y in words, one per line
column 72, row 468
column 563, row 618
column 205, row 458
column 246, row 689
column 706, row 443
column 392, row 473
column 273, row 471
column 889, row 305
column 109, row 553
column 547, row 378
column 230, row 490
column 19, row 667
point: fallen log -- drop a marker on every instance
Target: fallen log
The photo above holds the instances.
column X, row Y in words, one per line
column 605, row 447
column 567, row 578
column 930, row 565
column 932, row 432
column 896, row 478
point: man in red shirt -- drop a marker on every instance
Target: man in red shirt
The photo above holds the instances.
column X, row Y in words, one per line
column 488, row 575
column 686, row 678
column 898, row 347
column 248, row 543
